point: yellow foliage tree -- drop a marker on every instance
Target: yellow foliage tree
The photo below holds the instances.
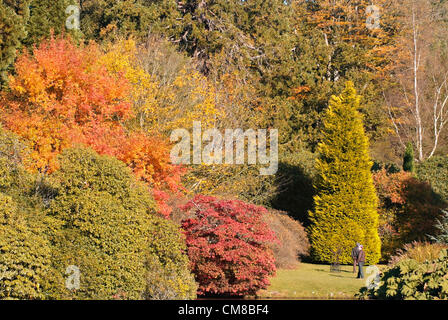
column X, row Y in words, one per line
column 162, row 106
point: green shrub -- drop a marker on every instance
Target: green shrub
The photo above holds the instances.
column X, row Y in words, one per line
column 435, row 171
column 168, row 268
column 408, row 158
column 24, row 254
column 410, row 280
column 408, row 209
column 24, row 249
column 442, row 229
column 13, row 177
column 104, row 222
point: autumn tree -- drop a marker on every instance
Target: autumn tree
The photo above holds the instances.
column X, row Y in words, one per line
column 228, row 246
column 343, row 40
column 417, row 102
column 166, row 95
column 408, row 209
column 59, row 96
column 63, row 95
column 346, row 202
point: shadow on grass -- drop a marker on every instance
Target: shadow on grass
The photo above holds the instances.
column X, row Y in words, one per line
column 328, row 271
column 342, row 276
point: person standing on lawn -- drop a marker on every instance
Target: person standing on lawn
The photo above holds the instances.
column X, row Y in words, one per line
column 355, row 252
column 361, row 260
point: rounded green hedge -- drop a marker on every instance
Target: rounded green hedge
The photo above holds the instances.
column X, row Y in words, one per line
column 24, row 255
column 435, row 171
column 103, row 222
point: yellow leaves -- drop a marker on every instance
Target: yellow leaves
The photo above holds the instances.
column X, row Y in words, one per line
column 180, row 80
column 20, row 89
column 163, row 107
column 200, row 100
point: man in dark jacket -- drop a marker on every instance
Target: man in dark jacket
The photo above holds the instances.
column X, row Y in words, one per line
column 361, row 261
column 355, row 252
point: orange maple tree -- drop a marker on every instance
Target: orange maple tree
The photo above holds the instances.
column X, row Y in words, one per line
column 61, row 96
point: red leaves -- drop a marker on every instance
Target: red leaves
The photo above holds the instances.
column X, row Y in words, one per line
column 227, row 245
column 392, row 186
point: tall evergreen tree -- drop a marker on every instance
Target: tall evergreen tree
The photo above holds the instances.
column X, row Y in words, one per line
column 337, row 45
column 13, row 18
column 46, row 17
column 408, row 158
column 107, row 19
column 346, row 202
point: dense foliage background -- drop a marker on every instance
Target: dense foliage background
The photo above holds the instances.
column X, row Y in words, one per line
column 86, row 179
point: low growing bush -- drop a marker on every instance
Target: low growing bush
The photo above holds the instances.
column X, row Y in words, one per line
column 228, row 246
column 24, row 248
column 168, row 268
column 293, row 240
column 435, row 170
column 408, row 210
column 24, row 255
column 104, row 222
column 418, row 251
column 411, row 280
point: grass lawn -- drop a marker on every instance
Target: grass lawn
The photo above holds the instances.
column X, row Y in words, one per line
column 314, row 281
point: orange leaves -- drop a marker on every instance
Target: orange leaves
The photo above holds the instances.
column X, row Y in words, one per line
column 149, row 159
column 66, row 81
column 392, row 186
column 46, row 139
column 59, row 95
column 300, row 93
column 64, row 95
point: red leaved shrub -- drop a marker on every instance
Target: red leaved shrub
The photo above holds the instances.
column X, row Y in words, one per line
column 228, row 246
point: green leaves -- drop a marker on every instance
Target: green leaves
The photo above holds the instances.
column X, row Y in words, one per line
column 110, row 231
column 411, row 280
column 94, row 215
column 24, row 254
column 13, row 19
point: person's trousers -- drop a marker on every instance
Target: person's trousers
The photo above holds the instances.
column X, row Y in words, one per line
column 360, row 270
column 354, row 266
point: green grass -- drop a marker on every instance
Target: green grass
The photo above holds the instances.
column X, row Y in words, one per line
column 314, row 281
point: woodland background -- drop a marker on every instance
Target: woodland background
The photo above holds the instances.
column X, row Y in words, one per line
column 136, row 70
